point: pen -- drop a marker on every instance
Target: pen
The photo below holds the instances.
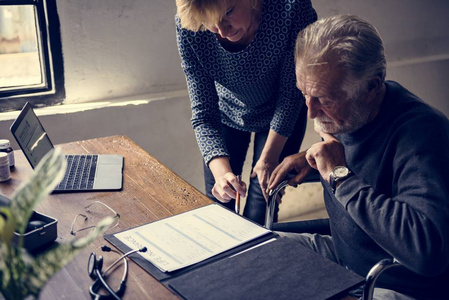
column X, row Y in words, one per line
column 237, row 199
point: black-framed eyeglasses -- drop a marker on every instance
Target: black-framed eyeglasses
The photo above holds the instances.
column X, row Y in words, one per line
column 116, row 217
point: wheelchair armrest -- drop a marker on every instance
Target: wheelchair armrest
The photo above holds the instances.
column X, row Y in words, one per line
column 374, row 273
column 271, row 202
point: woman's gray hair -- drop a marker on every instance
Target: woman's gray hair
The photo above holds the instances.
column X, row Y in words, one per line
column 346, row 42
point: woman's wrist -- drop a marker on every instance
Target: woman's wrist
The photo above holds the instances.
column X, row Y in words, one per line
column 273, row 147
column 219, row 166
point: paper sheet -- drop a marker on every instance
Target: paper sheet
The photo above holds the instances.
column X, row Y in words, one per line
column 185, row 239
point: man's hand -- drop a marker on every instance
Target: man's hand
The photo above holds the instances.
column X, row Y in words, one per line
column 326, row 155
column 297, row 163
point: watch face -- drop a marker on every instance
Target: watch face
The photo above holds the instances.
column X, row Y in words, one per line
column 341, row 172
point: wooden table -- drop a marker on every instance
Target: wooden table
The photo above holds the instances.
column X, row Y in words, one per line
column 150, row 192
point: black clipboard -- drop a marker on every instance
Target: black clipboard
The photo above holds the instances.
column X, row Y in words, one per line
column 164, row 276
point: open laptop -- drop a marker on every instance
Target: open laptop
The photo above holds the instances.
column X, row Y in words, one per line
column 85, row 172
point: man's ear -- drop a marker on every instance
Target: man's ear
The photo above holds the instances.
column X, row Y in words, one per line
column 374, row 83
column 374, row 86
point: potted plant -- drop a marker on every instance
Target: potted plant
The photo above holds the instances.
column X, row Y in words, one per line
column 23, row 275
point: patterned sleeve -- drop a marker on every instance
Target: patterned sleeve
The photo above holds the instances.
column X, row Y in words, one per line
column 206, row 121
column 290, row 99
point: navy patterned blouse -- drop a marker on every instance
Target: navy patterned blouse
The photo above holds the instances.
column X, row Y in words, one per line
column 250, row 90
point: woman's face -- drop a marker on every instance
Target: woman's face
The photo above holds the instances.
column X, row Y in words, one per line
column 236, row 23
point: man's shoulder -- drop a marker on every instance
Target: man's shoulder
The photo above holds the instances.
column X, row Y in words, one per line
column 403, row 100
column 410, row 114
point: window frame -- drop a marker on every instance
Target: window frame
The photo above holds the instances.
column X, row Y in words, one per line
column 52, row 91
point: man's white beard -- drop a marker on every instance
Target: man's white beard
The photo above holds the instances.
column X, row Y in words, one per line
column 360, row 115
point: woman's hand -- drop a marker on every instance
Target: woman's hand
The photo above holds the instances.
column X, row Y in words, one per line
column 263, row 170
column 227, row 186
column 268, row 160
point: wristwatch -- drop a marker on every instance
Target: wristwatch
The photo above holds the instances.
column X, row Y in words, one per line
column 339, row 174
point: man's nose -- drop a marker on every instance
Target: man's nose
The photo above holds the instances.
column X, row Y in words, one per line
column 314, row 107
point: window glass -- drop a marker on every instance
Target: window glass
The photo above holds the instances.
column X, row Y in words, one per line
column 19, row 49
column 31, row 63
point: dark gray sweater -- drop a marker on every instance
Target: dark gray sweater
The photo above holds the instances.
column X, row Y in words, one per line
column 397, row 203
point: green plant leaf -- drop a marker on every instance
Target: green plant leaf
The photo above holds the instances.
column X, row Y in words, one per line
column 48, row 173
column 7, row 225
column 4, row 275
column 48, row 263
column 12, row 270
column 15, row 218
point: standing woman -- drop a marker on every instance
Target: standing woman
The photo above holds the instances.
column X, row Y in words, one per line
column 238, row 59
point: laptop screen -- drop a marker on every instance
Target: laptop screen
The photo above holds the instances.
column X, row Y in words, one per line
column 31, row 136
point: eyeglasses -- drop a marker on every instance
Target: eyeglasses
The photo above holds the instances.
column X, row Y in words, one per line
column 116, row 216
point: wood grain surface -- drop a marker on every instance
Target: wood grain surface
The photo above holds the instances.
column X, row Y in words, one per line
column 150, row 192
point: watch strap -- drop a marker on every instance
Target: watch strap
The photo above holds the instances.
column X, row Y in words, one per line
column 333, row 180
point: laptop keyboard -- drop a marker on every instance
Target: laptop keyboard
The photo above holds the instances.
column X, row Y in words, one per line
column 80, row 172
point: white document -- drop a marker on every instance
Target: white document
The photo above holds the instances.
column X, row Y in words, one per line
column 188, row 238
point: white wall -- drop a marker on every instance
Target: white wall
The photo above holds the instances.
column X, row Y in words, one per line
column 117, row 48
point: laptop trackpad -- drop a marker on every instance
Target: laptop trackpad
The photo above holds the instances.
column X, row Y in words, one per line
column 109, row 172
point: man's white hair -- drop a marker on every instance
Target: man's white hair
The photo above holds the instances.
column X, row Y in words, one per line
column 345, row 42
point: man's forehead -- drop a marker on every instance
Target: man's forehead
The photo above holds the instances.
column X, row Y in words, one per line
column 327, row 83
column 310, row 81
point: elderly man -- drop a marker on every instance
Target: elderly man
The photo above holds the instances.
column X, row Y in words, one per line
column 383, row 162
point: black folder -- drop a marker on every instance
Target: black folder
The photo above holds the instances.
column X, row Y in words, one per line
column 282, row 269
column 270, row 268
